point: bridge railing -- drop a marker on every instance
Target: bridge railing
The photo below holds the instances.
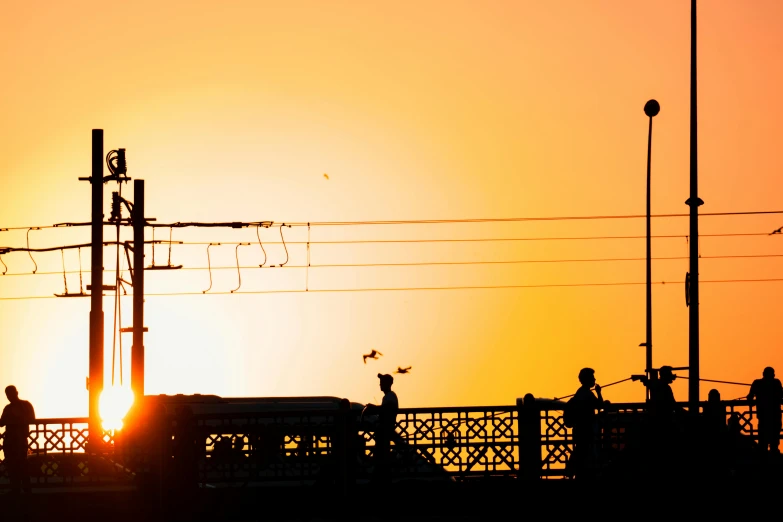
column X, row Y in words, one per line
column 526, row 440
column 57, row 455
column 620, row 424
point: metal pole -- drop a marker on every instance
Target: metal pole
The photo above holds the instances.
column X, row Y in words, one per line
column 96, row 294
column 651, row 108
column 694, row 202
column 137, row 350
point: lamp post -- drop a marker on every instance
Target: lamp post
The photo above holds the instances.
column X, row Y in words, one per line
column 651, row 109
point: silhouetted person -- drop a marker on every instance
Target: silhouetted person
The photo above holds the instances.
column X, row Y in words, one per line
column 583, row 406
column 662, row 401
column 714, row 413
column 768, row 392
column 17, row 417
column 661, row 440
column 713, row 443
column 387, row 419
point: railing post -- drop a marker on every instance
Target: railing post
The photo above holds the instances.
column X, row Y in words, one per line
column 529, row 438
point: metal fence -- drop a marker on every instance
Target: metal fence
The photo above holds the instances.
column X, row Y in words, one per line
column 526, row 440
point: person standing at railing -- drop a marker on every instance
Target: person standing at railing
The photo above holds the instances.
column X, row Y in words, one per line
column 581, row 415
column 768, row 393
column 387, row 420
column 16, row 418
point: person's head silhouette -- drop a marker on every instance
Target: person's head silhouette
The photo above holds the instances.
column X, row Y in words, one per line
column 587, row 377
column 769, row 372
column 667, row 375
column 713, row 395
column 386, row 382
column 11, row 393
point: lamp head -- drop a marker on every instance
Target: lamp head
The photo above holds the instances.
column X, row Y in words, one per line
column 652, row 108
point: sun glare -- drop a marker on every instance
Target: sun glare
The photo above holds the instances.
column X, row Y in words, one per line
column 114, row 405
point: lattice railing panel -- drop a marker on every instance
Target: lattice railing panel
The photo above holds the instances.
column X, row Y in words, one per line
column 461, row 442
column 56, row 455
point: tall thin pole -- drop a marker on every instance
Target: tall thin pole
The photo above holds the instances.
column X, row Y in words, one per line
column 694, row 202
column 96, row 293
column 137, row 350
column 651, row 108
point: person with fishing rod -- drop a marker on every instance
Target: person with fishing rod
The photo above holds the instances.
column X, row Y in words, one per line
column 580, row 415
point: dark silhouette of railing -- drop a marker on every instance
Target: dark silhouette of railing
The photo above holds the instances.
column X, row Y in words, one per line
column 527, row 441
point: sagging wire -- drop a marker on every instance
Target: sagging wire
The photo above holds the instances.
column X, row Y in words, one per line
column 153, row 250
column 307, row 271
column 239, row 274
column 65, row 280
column 261, row 245
column 209, row 267
column 167, row 266
column 283, row 240
column 171, row 234
column 28, row 247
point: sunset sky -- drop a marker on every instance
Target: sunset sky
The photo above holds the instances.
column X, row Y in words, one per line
column 234, row 111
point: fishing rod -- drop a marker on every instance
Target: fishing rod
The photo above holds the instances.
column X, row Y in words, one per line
column 632, row 377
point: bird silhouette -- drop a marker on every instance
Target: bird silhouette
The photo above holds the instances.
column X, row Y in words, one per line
column 777, row 231
column 372, row 355
column 403, row 370
column 326, row 176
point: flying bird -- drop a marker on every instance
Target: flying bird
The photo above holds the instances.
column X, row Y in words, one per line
column 326, row 176
column 776, row 231
column 372, row 355
column 403, row 370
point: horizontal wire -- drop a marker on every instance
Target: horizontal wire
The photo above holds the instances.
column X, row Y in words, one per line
column 7, row 250
column 405, row 289
column 431, row 263
column 471, row 240
column 266, row 223
column 523, row 219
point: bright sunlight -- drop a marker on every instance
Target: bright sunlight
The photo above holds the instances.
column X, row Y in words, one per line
column 114, row 405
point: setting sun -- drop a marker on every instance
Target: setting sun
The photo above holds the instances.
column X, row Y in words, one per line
column 114, row 405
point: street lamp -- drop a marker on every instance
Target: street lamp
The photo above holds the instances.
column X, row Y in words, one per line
column 651, row 108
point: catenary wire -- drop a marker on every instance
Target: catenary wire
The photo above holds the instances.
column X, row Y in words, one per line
column 267, row 224
column 421, row 288
column 438, row 263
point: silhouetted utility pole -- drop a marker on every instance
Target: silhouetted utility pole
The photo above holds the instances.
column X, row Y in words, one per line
column 95, row 384
column 693, row 202
column 651, row 108
column 137, row 350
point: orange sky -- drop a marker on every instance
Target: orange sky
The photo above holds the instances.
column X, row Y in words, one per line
column 440, row 110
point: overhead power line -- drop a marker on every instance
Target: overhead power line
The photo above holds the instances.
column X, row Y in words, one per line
column 475, row 240
column 433, row 263
column 267, row 224
column 410, row 289
column 7, row 250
